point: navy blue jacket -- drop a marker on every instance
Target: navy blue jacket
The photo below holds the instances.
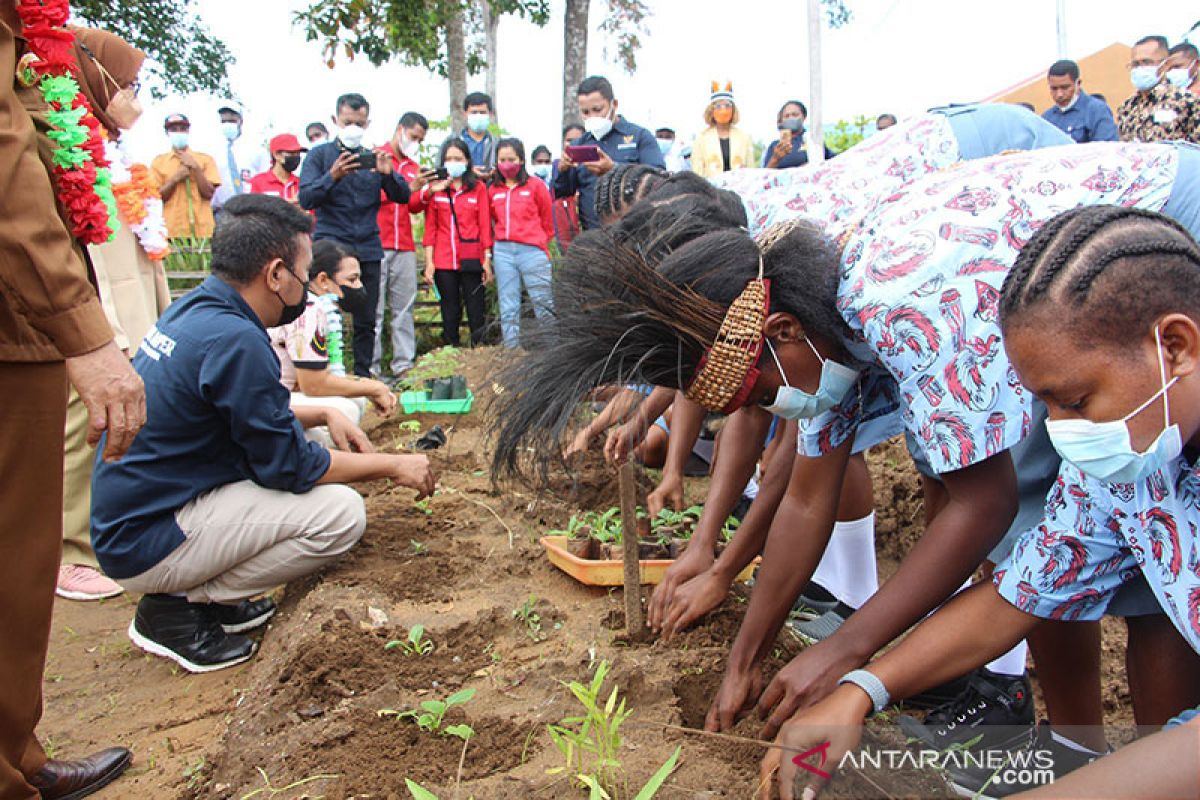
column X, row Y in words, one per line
column 797, row 158
column 1089, row 120
column 216, row 414
column 347, row 210
column 625, row 143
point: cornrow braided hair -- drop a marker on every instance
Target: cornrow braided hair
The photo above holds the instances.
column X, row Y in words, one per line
column 624, row 185
column 1129, row 264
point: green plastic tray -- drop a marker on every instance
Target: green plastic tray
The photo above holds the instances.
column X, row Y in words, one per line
column 419, row 402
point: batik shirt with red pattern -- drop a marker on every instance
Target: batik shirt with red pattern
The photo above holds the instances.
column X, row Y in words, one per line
column 1096, row 537
column 920, row 286
column 837, row 194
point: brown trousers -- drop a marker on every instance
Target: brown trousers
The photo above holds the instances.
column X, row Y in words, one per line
column 32, row 418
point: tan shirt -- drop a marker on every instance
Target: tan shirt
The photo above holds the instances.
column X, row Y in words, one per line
column 187, row 213
column 48, row 308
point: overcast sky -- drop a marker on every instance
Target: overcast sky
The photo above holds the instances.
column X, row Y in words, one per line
column 900, row 56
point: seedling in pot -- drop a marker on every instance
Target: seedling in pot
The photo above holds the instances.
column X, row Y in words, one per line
column 430, row 715
column 415, row 645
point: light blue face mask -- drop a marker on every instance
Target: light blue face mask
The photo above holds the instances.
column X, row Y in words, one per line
column 1103, row 450
column 456, row 169
column 793, row 403
column 1143, row 78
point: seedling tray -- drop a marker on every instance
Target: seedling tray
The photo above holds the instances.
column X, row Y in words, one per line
column 419, row 403
column 611, row 573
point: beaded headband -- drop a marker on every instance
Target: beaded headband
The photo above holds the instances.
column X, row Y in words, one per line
column 728, row 370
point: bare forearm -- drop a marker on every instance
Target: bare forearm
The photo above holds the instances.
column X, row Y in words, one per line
column 323, row 383
column 970, row 630
column 741, row 445
column 795, row 543
column 686, row 419
column 752, row 533
column 203, row 185
column 311, row 416
column 356, row 467
column 983, row 500
column 653, row 406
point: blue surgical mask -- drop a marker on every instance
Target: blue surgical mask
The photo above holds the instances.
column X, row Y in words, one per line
column 794, row 124
column 793, row 403
column 230, row 130
column 665, row 145
column 178, row 139
column 1143, row 78
column 456, row 169
column 1103, row 450
column 541, row 170
column 478, row 123
column 1180, row 77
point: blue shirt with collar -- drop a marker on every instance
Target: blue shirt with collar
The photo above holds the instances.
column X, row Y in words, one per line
column 347, row 210
column 1089, row 120
column 216, row 413
column 625, row 143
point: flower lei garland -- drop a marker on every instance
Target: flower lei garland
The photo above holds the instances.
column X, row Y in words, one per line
column 139, row 203
column 81, row 171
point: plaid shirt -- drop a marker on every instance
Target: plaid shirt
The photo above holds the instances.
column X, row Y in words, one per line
column 1161, row 114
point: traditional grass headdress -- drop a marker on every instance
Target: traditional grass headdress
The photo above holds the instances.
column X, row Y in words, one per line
column 729, row 368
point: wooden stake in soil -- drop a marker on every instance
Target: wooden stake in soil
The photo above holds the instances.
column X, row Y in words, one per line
column 635, row 625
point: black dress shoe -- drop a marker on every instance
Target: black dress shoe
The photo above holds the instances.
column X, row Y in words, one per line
column 244, row 616
column 187, row 633
column 70, row 780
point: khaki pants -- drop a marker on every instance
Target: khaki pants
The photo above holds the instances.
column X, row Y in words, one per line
column 78, row 460
column 352, row 407
column 243, row 540
column 31, row 469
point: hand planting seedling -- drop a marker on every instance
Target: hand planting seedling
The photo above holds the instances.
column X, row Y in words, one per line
column 423, row 506
column 532, row 620
column 430, row 715
column 415, row 645
column 591, row 743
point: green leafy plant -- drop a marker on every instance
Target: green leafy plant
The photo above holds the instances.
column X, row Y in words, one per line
column 419, row 792
column 432, row 713
column 415, row 645
column 531, row 618
column 418, row 548
column 439, row 363
column 409, row 426
column 590, row 743
column 423, row 506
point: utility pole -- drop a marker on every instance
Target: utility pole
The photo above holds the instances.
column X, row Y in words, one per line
column 1060, row 26
column 816, row 136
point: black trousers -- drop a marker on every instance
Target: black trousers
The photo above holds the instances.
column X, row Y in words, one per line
column 364, row 323
column 458, row 289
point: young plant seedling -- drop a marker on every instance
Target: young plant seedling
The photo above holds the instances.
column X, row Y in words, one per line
column 430, row 715
column 418, row 548
column 415, row 645
column 590, row 743
column 409, row 426
column 531, row 618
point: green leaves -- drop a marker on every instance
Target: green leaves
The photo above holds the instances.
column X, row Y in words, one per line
column 415, row 645
column 185, row 55
column 431, row 713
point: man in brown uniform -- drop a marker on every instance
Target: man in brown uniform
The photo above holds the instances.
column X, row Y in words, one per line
column 52, row 330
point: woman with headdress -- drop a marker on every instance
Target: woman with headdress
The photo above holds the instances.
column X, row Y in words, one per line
column 722, row 146
column 129, row 276
column 895, row 321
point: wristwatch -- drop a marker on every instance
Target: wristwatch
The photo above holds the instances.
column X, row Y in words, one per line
column 880, row 698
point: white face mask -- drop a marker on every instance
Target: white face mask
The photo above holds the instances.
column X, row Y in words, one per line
column 1074, row 99
column 1180, row 77
column 1104, row 451
column 230, row 130
column 410, row 148
column 598, row 127
column 351, row 136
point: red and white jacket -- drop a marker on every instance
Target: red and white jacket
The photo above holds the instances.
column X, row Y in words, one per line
column 523, row 213
column 395, row 221
column 474, row 223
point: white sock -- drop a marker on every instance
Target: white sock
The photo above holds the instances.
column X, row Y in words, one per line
column 847, row 569
column 1065, row 742
column 1011, row 663
column 751, row 489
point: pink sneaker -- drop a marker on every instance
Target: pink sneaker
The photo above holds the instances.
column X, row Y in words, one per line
column 77, row 582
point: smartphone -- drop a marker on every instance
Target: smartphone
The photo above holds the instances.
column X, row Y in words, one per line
column 582, row 153
column 441, row 174
column 368, row 160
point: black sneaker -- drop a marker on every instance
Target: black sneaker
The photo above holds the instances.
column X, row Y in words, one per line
column 988, row 711
column 939, row 696
column 824, row 626
column 187, row 633
column 244, row 616
column 1027, row 761
column 814, row 600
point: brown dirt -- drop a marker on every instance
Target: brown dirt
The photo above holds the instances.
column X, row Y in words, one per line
column 305, row 708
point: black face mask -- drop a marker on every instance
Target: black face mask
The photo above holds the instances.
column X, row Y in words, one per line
column 353, row 300
column 291, row 162
column 292, row 312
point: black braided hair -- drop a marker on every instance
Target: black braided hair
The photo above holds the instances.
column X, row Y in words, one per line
column 622, row 186
column 1121, row 268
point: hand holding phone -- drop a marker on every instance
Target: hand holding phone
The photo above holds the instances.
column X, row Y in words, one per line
column 582, row 153
column 368, row 160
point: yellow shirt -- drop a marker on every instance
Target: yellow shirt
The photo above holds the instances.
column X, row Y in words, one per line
column 706, row 152
column 187, row 214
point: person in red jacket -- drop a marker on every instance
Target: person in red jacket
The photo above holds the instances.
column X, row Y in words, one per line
column 566, row 214
column 458, row 241
column 523, row 224
column 398, row 276
column 281, row 179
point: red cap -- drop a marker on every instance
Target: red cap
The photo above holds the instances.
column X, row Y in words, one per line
column 286, row 142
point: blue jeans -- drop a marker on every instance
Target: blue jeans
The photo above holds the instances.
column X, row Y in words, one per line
column 515, row 263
